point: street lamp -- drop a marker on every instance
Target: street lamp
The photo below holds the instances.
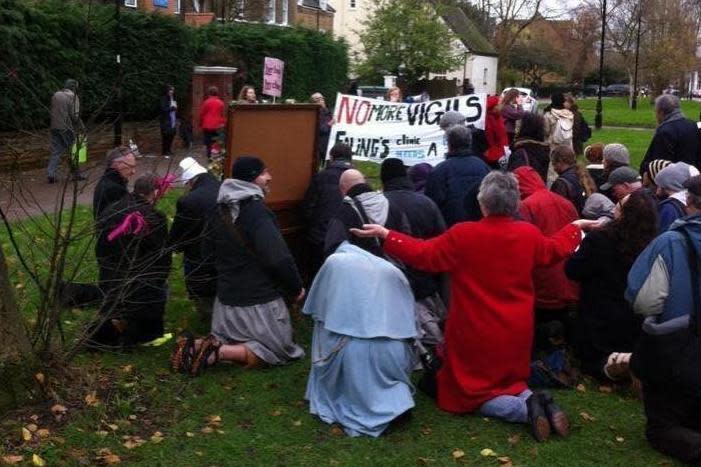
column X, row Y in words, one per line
column 634, row 103
column 598, row 118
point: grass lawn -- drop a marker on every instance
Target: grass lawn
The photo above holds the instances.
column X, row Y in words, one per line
column 235, row 417
column 617, row 113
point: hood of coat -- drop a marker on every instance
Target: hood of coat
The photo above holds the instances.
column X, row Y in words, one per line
column 564, row 116
column 375, row 204
column 233, row 191
column 528, row 181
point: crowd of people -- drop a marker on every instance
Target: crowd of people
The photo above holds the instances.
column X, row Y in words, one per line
column 508, row 260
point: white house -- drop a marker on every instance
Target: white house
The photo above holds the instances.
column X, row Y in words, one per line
column 480, row 60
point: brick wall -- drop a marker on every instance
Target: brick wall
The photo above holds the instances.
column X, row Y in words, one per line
column 307, row 17
column 30, row 150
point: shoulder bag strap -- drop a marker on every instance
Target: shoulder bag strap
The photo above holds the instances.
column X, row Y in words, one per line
column 694, row 268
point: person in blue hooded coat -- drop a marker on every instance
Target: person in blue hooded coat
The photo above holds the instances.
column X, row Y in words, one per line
column 362, row 355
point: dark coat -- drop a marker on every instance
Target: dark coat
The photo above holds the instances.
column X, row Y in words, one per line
column 322, row 200
column 606, row 323
column 164, row 114
column 136, row 266
column 533, row 153
column 453, row 186
column 568, row 186
column 194, row 213
column 254, row 265
column 325, row 119
column 111, row 188
column 675, row 140
column 425, row 221
column 347, row 217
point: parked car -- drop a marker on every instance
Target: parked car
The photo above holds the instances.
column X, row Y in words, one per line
column 590, row 90
column 373, row 92
column 617, row 90
column 529, row 101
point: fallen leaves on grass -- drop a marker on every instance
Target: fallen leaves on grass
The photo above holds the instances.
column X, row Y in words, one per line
column 336, row 431
column 58, row 411
column 91, row 399
column 207, row 430
column 276, row 413
column 425, row 460
column 458, row 454
column 620, row 439
column 587, row 417
column 38, row 461
column 101, row 433
column 43, row 432
column 10, row 459
column 426, row 430
column 486, row 452
column 606, row 389
column 105, row 456
column 505, row 461
column 157, row 437
column 297, row 423
column 514, row 439
column 131, row 442
column 40, row 378
column 189, row 434
column 26, row 434
column 581, row 388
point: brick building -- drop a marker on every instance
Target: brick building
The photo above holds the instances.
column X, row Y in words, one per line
column 312, row 14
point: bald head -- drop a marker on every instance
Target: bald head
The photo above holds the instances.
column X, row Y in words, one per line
column 349, row 179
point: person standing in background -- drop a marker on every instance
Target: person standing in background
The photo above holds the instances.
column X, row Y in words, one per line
column 211, row 117
column 65, row 125
column 167, row 118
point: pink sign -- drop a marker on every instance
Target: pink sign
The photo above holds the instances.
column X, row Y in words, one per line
column 272, row 76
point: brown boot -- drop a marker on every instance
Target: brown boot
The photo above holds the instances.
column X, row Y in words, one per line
column 556, row 416
column 540, row 427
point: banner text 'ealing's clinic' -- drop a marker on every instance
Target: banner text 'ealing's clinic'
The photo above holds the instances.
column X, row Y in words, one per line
column 377, row 129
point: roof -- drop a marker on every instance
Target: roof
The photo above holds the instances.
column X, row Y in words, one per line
column 315, row 4
column 465, row 29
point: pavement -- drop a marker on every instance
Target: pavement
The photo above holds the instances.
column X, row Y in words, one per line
column 27, row 194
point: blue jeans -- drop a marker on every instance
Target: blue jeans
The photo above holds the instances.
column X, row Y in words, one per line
column 61, row 142
column 510, row 408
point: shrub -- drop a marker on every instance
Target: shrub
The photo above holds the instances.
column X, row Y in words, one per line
column 46, row 42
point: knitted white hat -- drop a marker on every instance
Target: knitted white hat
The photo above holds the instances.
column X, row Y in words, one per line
column 191, row 169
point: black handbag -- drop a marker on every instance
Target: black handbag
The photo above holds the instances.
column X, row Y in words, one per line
column 672, row 360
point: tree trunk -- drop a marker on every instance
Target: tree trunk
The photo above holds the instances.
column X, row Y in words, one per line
column 16, row 357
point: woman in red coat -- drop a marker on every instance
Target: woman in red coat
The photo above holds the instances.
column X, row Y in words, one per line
column 489, row 329
column 495, row 132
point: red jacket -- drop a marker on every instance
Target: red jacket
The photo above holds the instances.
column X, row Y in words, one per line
column 549, row 212
column 495, row 132
column 212, row 114
column 489, row 329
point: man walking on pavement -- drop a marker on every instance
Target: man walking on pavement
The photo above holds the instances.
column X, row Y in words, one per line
column 65, row 125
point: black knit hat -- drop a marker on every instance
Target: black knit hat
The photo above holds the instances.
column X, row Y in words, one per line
column 392, row 168
column 247, row 168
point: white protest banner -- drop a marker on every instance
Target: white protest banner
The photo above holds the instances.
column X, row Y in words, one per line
column 377, row 129
column 272, row 76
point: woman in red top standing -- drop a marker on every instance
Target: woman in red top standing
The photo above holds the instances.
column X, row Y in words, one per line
column 489, row 330
column 495, row 132
column 211, row 117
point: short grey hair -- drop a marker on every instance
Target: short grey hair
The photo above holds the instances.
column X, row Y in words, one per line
column 498, row 194
column 459, row 137
column 116, row 154
column 616, row 152
column 667, row 103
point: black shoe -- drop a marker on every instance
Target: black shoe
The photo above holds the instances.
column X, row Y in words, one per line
column 51, row 180
column 540, row 426
column 556, row 416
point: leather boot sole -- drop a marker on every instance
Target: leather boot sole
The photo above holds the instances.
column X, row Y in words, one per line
column 541, row 429
column 560, row 423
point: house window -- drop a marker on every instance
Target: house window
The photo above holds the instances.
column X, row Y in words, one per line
column 177, row 7
column 285, row 11
column 352, row 4
column 270, row 11
column 160, row 3
column 130, row 3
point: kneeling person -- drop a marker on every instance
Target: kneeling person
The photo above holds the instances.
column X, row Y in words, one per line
column 362, row 357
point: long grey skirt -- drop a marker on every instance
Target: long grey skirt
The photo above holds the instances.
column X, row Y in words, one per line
column 264, row 329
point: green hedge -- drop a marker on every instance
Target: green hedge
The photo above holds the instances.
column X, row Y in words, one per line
column 48, row 41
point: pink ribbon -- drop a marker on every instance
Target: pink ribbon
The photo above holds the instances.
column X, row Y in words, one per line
column 163, row 184
column 133, row 223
